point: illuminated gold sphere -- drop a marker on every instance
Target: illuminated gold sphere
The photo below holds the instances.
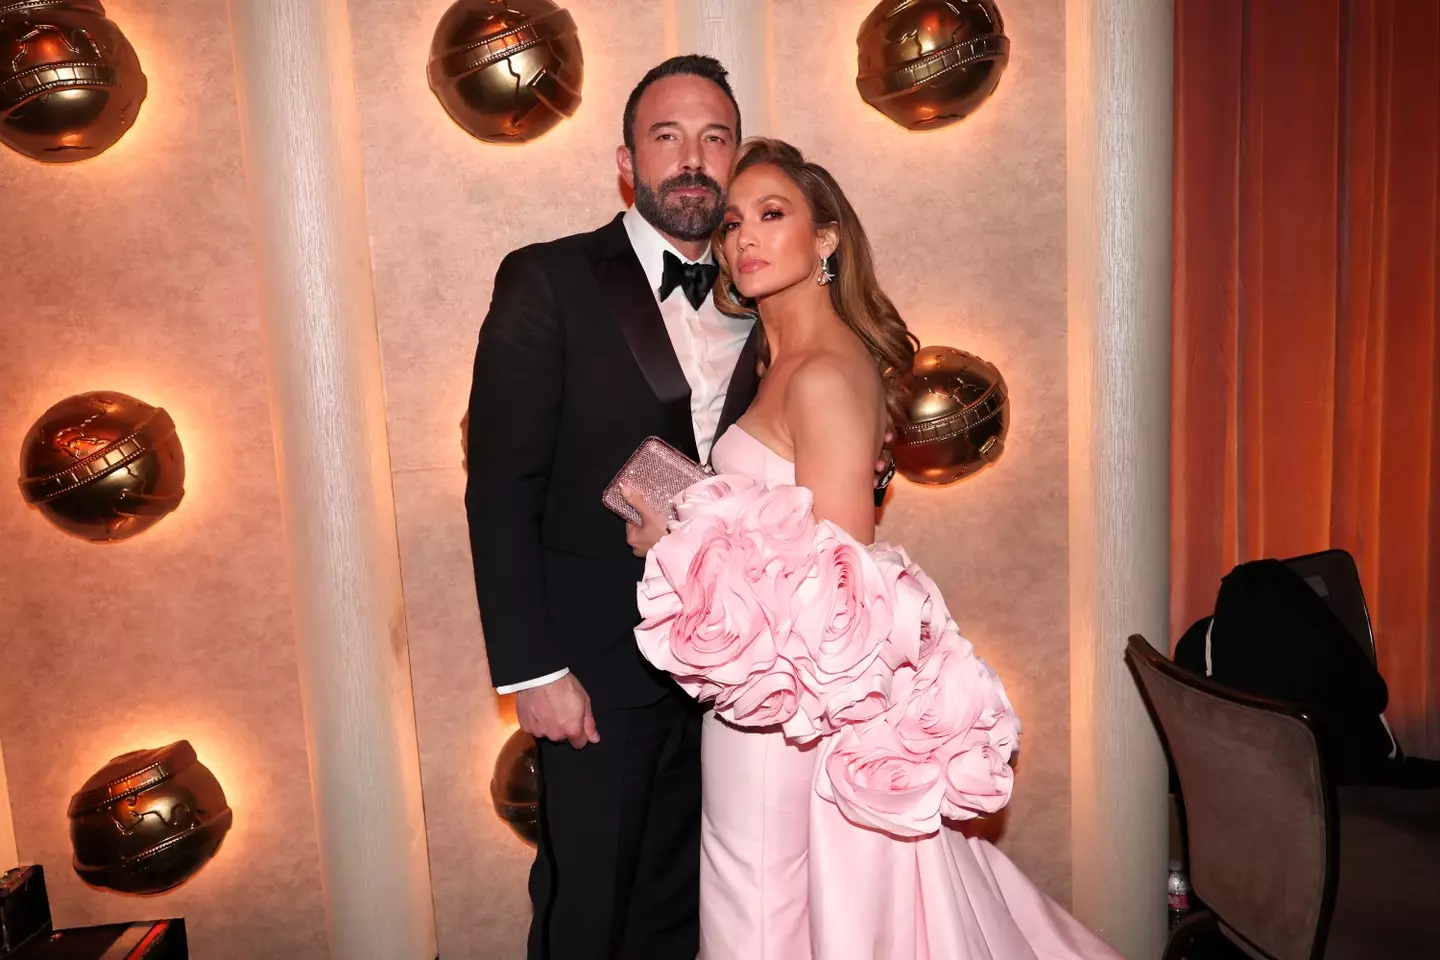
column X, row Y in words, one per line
column 958, row 413
column 928, row 63
column 506, row 71
column 515, row 787
column 103, row 466
column 148, row 821
column 70, row 83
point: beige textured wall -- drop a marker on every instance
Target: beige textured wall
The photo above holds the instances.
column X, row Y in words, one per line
column 132, row 272
column 968, row 226
column 444, row 208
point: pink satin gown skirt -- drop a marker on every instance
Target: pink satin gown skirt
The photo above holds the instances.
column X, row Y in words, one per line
column 784, row 876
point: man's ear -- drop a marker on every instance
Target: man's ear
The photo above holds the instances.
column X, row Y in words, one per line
column 625, row 162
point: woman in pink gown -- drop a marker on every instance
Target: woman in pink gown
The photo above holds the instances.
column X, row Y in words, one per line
column 853, row 724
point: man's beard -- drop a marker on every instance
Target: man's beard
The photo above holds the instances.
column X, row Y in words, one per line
column 684, row 218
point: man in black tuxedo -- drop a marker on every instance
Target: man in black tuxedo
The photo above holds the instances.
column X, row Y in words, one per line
column 593, row 343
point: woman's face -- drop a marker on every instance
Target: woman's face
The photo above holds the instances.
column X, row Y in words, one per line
column 768, row 235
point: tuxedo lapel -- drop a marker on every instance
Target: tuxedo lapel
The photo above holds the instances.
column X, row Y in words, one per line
column 627, row 293
column 743, row 384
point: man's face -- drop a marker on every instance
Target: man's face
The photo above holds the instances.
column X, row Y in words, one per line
column 684, row 144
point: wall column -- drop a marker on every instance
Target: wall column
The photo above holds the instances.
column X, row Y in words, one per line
column 9, row 854
column 303, row 161
column 737, row 33
column 1118, row 147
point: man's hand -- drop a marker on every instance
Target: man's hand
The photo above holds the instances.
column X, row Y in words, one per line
column 648, row 532
column 557, row 711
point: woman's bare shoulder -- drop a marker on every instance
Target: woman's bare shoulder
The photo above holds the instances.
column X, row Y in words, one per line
column 827, row 374
column 836, row 389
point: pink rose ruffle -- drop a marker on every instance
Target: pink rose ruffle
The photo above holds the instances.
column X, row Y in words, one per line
column 783, row 620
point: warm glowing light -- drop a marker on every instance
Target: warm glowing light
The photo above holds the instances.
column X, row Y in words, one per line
column 506, row 707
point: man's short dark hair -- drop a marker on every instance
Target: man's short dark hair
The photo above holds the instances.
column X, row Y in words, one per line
column 686, row 65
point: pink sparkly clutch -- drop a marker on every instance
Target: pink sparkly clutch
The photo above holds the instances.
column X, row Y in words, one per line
column 656, row 471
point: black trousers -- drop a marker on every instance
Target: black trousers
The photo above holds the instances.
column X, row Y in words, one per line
column 617, row 869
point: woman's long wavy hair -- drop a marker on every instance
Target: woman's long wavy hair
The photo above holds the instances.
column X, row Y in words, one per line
column 855, row 292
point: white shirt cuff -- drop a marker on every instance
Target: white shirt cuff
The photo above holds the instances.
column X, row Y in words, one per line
column 537, row 682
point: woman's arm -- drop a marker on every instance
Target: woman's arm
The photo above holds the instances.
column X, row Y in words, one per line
column 832, row 412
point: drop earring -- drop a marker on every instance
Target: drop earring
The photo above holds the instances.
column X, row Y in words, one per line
column 825, row 275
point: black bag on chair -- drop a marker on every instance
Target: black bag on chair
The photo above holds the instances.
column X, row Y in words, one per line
column 1272, row 635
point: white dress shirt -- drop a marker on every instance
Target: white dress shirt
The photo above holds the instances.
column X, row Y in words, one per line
column 707, row 343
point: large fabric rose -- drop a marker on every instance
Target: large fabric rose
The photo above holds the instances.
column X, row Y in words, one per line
column 702, row 617
column 773, row 526
column 704, row 620
column 935, row 620
column 867, row 772
column 824, row 709
column 767, row 698
column 724, row 498
column 944, row 700
column 784, row 520
column 844, row 613
column 947, row 740
column 997, row 716
column 918, row 606
column 978, row 780
column 858, row 700
column 780, row 533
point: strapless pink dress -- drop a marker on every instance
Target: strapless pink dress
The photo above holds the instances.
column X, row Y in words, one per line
column 786, row 876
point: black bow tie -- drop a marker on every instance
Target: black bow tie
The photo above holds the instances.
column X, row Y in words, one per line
column 695, row 279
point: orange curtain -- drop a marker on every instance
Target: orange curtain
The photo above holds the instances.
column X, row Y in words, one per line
column 1306, row 363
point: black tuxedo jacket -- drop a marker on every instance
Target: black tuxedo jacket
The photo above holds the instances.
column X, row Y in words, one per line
column 573, row 371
